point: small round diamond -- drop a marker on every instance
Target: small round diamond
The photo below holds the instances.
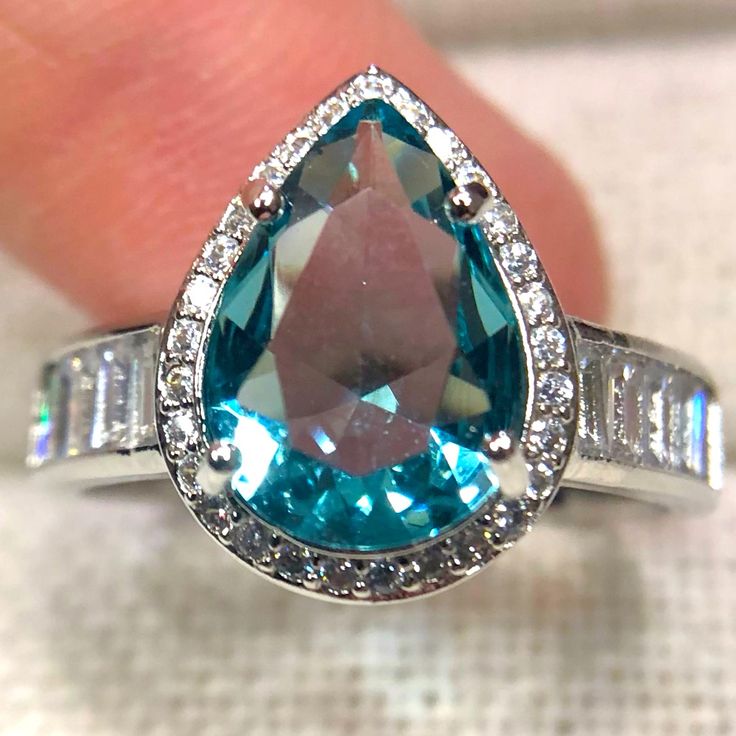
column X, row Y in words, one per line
column 184, row 338
column 537, row 303
column 297, row 144
column 272, row 170
column 218, row 517
column 253, row 541
column 555, row 391
column 541, row 481
column 502, row 222
column 431, row 564
column 292, row 563
column 219, row 254
column 338, row 576
column 549, row 345
column 381, row 578
column 413, row 110
column 177, row 386
column 330, row 112
column 469, row 172
column 445, row 144
column 468, row 552
column 371, row 86
column 410, row 574
column 187, row 476
column 508, row 521
column 548, row 437
column 520, row 261
column 235, row 218
column 180, row 432
column 199, row 294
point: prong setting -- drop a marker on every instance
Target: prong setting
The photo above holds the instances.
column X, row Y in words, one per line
column 508, row 463
column 262, row 200
column 223, row 458
column 466, row 202
column 221, row 461
column 499, row 447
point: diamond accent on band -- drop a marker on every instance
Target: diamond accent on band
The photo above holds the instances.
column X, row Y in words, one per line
column 95, row 398
column 445, row 145
column 541, row 480
column 371, row 87
column 592, row 431
column 254, row 541
column 508, row 521
column 189, row 486
column 642, row 412
column 85, row 423
column 330, row 113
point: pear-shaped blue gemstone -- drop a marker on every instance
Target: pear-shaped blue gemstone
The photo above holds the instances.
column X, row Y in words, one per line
column 363, row 347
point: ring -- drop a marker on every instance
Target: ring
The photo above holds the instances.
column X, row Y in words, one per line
column 366, row 389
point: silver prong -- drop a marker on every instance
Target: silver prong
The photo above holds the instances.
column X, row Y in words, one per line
column 263, row 201
column 466, row 202
column 223, row 458
column 222, row 461
column 499, row 446
column 508, row 461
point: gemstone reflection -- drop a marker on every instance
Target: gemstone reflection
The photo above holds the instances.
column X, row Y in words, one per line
column 363, row 347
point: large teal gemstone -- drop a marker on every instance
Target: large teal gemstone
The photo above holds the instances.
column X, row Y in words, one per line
column 363, row 347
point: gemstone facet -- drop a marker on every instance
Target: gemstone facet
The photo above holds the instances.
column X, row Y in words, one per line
column 363, row 347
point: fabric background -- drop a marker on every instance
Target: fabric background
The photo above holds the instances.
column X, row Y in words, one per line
column 119, row 617
column 535, row 21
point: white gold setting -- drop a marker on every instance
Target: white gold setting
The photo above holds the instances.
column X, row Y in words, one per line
column 550, row 423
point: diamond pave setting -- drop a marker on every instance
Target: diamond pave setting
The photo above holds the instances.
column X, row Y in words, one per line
column 546, row 428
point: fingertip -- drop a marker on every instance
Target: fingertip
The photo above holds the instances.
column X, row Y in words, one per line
column 147, row 129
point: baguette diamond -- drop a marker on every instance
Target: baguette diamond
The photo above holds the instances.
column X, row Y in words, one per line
column 96, row 398
column 639, row 411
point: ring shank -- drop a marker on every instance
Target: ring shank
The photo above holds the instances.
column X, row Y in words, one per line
column 648, row 420
column 649, row 424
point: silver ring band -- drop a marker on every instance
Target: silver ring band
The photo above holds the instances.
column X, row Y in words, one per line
column 649, row 424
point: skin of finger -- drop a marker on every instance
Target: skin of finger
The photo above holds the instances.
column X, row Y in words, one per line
column 129, row 125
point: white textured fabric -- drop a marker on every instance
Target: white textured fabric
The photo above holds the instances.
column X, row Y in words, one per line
column 118, row 617
column 500, row 21
column 121, row 618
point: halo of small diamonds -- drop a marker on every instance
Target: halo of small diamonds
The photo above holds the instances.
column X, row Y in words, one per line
column 551, row 404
